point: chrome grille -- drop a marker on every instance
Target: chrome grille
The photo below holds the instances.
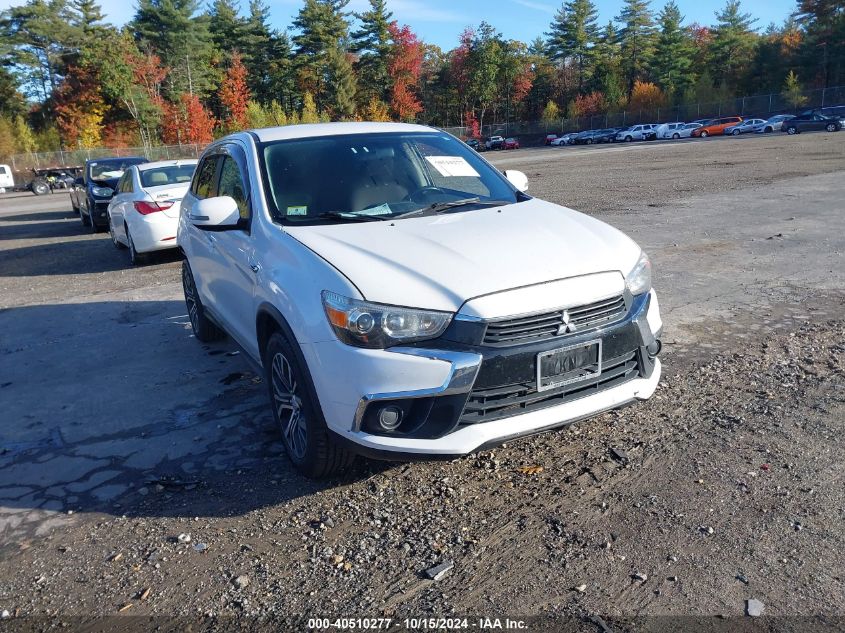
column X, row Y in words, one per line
column 484, row 405
column 538, row 327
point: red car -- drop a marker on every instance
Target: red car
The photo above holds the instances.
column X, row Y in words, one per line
column 511, row 143
column 549, row 138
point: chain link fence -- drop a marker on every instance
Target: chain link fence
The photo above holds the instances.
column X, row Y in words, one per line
column 77, row 158
column 762, row 106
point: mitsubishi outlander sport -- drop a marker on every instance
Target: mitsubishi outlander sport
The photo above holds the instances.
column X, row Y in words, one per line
column 403, row 298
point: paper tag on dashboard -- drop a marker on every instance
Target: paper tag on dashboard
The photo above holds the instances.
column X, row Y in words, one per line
column 452, row 166
column 297, row 210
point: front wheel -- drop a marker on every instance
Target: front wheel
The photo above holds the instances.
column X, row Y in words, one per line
column 831, row 127
column 204, row 328
column 767, row 130
column 676, row 136
column 40, row 188
column 735, row 132
column 704, row 135
column 792, row 130
column 297, row 412
column 628, row 139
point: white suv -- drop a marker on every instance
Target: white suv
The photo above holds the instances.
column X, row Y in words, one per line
column 637, row 133
column 403, row 298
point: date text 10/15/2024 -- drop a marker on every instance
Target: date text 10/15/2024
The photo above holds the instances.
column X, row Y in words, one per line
column 416, row 624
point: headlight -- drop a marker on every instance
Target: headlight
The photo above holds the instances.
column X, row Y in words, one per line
column 103, row 192
column 366, row 324
column 638, row 280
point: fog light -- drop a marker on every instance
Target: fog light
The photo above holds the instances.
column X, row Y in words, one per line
column 390, row 418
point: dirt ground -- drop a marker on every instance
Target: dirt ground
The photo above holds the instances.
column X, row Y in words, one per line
column 120, row 433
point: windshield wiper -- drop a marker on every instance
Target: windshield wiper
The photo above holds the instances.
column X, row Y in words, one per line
column 354, row 216
column 439, row 207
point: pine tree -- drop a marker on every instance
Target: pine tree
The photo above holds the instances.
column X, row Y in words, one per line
column 342, row 79
column 636, row 38
column 260, row 50
column 372, row 43
column 181, row 37
column 226, row 26
column 823, row 50
column 672, row 62
column 322, row 28
column 733, row 45
column 792, row 92
column 572, row 37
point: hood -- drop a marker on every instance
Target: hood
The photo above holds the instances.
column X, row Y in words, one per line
column 441, row 261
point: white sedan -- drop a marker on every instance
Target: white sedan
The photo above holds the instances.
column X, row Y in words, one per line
column 686, row 130
column 144, row 213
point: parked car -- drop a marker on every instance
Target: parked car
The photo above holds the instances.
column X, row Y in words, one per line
column 715, row 127
column 585, row 138
column 495, row 142
column 669, row 130
column 747, row 125
column 636, row 132
column 144, row 212
column 382, row 329
column 806, row 122
column 837, row 112
column 93, row 191
column 773, row 124
column 474, row 143
column 566, row 139
column 686, row 130
column 7, row 179
column 607, row 135
column 511, row 143
column 549, row 138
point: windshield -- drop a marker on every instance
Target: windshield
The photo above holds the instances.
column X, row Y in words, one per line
column 110, row 169
column 170, row 175
column 375, row 176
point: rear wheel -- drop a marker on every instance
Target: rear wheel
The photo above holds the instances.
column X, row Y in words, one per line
column 117, row 243
column 629, row 138
column 137, row 259
column 767, row 129
column 204, row 328
column 735, row 132
column 704, row 134
column 831, row 127
column 792, row 130
column 40, row 188
column 297, row 412
column 676, row 136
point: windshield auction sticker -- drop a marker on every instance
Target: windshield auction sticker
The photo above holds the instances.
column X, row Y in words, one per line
column 452, row 166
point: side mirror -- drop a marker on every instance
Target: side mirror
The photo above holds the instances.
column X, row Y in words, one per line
column 220, row 212
column 517, row 179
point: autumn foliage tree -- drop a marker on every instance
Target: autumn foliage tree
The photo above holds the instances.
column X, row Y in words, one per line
column 404, row 68
column 187, row 122
column 79, row 108
column 646, row 96
column 590, row 104
column 234, row 95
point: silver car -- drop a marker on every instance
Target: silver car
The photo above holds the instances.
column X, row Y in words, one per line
column 747, row 125
column 775, row 123
column 637, row 132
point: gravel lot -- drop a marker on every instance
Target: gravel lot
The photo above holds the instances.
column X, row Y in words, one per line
column 120, row 433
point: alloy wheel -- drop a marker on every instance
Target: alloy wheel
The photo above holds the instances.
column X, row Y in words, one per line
column 831, row 127
column 704, row 135
column 288, row 405
column 191, row 297
column 791, row 130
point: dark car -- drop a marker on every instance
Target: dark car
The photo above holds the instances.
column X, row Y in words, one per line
column 586, row 138
column 93, row 191
column 811, row 120
column 475, row 144
column 607, row 135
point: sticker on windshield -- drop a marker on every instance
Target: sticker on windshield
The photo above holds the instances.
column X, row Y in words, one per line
column 452, row 166
column 297, row 210
column 382, row 209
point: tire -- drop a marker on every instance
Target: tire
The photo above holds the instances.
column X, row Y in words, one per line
column 204, row 328
column 792, row 130
column 735, row 133
column 767, row 130
column 297, row 412
column 629, row 138
column 40, row 188
column 135, row 258
column 589, row 141
column 117, row 244
column 85, row 218
column 704, row 134
column 676, row 136
column 831, row 127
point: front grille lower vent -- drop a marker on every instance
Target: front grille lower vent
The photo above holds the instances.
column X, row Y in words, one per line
column 539, row 327
column 484, row 405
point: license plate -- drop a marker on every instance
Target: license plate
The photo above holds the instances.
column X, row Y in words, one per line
column 567, row 365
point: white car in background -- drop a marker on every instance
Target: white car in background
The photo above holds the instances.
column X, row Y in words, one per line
column 144, row 212
column 686, row 130
column 670, row 130
column 775, row 123
column 637, row 132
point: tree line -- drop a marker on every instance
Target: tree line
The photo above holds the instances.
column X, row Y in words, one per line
column 180, row 72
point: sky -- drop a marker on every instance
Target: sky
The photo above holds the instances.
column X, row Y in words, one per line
column 440, row 22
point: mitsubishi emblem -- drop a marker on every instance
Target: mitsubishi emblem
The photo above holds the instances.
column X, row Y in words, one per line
column 567, row 326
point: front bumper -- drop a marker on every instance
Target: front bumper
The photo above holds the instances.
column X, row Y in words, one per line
column 437, row 386
column 99, row 212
